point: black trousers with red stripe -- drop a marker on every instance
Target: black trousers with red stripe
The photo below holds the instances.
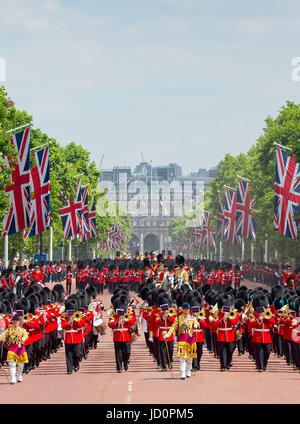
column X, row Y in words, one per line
column 122, row 354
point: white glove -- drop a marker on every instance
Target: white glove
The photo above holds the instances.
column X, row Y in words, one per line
column 164, row 334
column 196, row 326
column 23, row 339
column 190, row 334
column 19, row 345
column 151, row 339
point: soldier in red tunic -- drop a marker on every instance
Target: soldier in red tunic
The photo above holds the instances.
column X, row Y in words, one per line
column 289, row 278
column 260, row 328
column 72, row 322
column 121, row 323
column 164, row 321
column 238, row 276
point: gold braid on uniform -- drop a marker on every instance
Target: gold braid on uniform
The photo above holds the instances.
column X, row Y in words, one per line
column 183, row 326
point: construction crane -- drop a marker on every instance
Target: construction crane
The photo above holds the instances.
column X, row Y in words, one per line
column 143, row 159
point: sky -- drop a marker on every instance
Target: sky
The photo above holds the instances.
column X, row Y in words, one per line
column 183, row 81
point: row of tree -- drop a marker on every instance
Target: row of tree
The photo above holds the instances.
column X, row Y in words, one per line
column 258, row 166
column 66, row 163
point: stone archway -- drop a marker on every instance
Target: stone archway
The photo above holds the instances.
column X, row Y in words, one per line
column 151, row 243
column 134, row 244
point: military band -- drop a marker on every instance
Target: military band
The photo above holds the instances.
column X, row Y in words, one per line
column 177, row 304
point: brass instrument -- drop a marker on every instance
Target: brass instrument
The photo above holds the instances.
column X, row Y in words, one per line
column 26, row 318
column 286, row 313
column 214, row 312
column 111, row 312
column 126, row 317
column 232, row 314
column 171, row 312
column 201, row 314
column 267, row 314
column 248, row 312
column 77, row 316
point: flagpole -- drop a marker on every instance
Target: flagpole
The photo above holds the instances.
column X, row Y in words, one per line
column 243, row 250
column 234, row 189
column 39, row 147
column 70, row 251
column 6, row 252
column 266, row 248
column 19, row 128
column 51, row 244
column 282, row 147
column 243, row 178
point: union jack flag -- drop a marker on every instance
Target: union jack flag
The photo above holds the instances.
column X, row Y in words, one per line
column 71, row 215
column 85, row 214
column 286, row 194
column 198, row 236
column 115, row 236
column 92, row 220
column 78, row 197
column 207, row 232
column 40, row 184
column 18, row 216
column 245, row 224
column 230, row 234
column 221, row 220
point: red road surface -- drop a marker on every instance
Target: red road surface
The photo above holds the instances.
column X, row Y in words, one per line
column 97, row 381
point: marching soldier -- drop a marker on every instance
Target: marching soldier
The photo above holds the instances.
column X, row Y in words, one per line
column 185, row 324
column 72, row 322
column 121, row 324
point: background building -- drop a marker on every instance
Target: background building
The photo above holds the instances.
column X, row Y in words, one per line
column 161, row 192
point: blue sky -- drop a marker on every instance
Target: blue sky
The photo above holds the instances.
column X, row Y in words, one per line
column 182, row 81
